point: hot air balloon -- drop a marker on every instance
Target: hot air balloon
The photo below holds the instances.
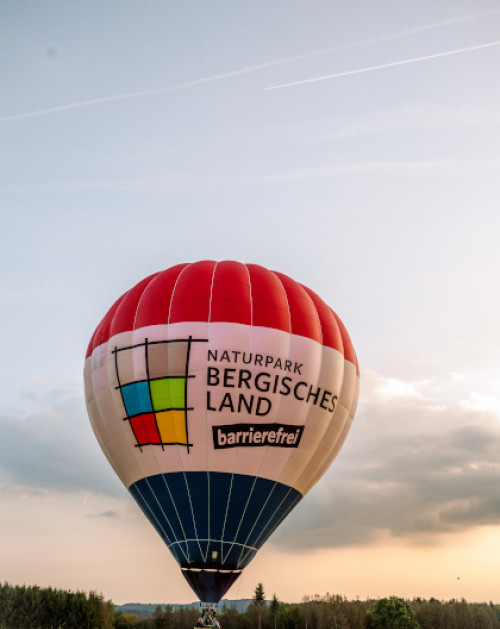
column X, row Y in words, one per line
column 220, row 392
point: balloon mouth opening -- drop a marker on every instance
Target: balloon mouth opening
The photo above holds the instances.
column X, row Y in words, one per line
column 210, row 581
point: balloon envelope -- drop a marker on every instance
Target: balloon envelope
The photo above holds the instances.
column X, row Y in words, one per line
column 220, row 393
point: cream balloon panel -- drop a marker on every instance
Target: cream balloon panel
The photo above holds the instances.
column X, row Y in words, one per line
column 96, row 394
column 221, row 336
column 137, row 462
column 324, row 458
column 101, row 404
column 112, row 431
column 113, row 435
column 326, row 446
column 98, row 368
column 348, row 402
column 230, row 368
column 321, row 426
column 320, row 367
column 263, row 461
column 283, row 464
column 94, row 415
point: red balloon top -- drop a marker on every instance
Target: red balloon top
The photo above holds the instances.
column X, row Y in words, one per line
column 225, row 291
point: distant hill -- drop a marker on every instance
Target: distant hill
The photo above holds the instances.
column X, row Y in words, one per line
column 144, row 610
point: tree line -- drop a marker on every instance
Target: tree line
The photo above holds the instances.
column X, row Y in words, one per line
column 32, row 607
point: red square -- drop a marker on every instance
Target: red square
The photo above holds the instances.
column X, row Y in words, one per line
column 145, row 430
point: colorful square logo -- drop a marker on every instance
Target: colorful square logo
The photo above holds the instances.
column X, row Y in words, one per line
column 153, row 381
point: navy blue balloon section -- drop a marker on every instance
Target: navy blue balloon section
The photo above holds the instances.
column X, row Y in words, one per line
column 212, row 522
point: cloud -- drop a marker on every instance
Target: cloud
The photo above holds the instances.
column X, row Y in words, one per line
column 104, row 514
column 382, row 66
column 54, row 449
column 421, row 462
column 417, row 466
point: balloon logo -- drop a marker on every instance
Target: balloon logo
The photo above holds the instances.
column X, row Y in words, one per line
column 220, row 393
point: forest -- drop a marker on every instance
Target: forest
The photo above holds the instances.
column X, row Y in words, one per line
column 32, row 607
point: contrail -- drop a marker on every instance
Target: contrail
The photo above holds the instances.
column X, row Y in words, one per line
column 162, row 90
column 129, row 95
column 384, row 65
column 242, row 71
column 385, row 38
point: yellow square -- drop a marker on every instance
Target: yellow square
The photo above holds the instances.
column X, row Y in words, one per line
column 172, row 426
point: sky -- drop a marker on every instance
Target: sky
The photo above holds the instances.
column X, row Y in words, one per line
column 352, row 146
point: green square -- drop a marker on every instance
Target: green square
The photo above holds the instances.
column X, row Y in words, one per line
column 168, row 393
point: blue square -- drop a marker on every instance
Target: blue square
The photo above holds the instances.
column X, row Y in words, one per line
column 137, row 398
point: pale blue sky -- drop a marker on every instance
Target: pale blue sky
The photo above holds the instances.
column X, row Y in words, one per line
column 136, row 135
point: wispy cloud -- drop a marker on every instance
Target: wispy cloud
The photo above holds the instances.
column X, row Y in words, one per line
column 417, row 115
column 193, row 180
column 248, row 70
column 424, row 168
column 382, row 66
